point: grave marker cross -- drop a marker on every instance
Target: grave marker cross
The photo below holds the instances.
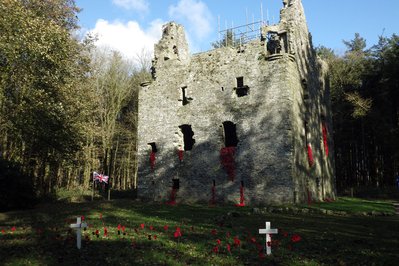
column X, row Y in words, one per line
column 78, row 226
column 268, row 231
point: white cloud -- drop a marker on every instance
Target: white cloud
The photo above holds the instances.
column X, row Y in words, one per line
column 138, row 5
column 196, row 13
column 128, row 38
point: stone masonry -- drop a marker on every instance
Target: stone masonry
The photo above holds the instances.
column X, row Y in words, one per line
column 266, row 102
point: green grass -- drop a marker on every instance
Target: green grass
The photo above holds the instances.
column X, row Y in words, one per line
column 42, row 236
column 355, row 205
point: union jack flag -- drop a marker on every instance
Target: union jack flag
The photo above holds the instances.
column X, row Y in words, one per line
column 100, row 177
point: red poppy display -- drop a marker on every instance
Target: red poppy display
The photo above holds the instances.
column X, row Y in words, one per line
column 152, row 160
column 295, row 238
column 172, row 199
column 242, row 199
column 227, row 161
column 310, row 156
column 177, row 232
column 325, row 139
column 237, row 241
column 215, row 249
column 180, row 154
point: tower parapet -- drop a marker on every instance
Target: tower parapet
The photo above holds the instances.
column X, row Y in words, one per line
column 173, row 47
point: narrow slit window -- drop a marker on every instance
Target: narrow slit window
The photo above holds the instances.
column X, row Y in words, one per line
column 240, row 82
column 176, row 183
column 230, row 134
column 153, row 146
column 187, row 137
column 241, row 90
column 304, row 84
column 184, row 99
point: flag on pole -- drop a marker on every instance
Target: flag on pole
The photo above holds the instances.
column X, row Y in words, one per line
column 100, row 177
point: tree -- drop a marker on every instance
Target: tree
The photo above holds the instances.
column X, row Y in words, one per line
column 325, row 53
column 42, row 68
column 143, row 60
column 65, row 108
column 358, row 44
column 364, row 92
column 116, row 82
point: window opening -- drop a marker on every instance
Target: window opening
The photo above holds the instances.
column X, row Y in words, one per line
column 304, row 84
column 184, row 99
column 153, row 146
column 274, row 44
column 230, row 134
column 187, row 137
column 241, row 90
column 240, row 82
column 176, row 183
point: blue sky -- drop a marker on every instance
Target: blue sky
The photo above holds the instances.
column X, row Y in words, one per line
column 132, row 26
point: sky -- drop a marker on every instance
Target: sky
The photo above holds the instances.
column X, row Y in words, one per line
column 134, row 26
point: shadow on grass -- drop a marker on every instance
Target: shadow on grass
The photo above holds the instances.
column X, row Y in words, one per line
column 42, row 236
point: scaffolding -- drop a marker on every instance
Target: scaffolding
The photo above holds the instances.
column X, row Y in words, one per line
column 240, row 35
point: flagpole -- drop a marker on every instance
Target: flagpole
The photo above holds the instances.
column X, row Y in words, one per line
column 92, row 192
column 109, row 188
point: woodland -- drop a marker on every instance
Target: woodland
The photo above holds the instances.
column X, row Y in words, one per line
column 68, row 108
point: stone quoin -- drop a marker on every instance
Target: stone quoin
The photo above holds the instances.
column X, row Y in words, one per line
column 265, row 101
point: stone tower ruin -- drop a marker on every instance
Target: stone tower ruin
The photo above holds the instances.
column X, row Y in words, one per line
column 248, row 124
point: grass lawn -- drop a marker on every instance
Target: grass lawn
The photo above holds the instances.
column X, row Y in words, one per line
column 355, row 205
column 42, row 236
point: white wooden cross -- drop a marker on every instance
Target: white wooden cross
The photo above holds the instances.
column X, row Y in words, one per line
column 268, row 231
column 78, row 226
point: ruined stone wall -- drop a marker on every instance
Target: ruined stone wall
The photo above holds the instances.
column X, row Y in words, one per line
column 312, row 107
column 270, row 157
